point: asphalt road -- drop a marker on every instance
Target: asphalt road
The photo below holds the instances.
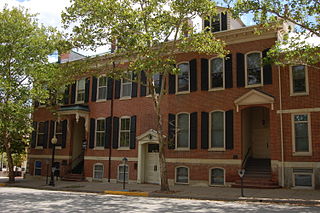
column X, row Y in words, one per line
column 31, row 200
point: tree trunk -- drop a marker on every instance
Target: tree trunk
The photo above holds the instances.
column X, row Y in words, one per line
column 10, row 160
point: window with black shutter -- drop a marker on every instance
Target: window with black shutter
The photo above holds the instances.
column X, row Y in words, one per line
column 110, row 88
column 108, row 134
column 193, row 130
column 117, row 85
column 204, row 73
column 86, row 90
column 240, row 70
column 193, row 75
column 94, row 89
column 229, row 129
column 267, row 68
column 204, row 130
column 92, row 133
column 228, row 71
column 115, row 139
column 133, row 132
column 143, row 87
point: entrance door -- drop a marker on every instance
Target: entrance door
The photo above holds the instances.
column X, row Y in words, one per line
column 152, row 167
column 260, row 143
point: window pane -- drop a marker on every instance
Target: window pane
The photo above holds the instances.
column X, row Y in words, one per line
column 156, row 82
column 182, row 175
column 100, row 125
column 98, row 171
column 303, row 180
column 183, row 77
column 299, row 78
column 301, row 137
column 215, row 23
column 217, row 130
column 81, row 84
column 100, row 139
column 125, row 123
column 41, row 127
column 126, row 90
column 254, row 68
column 216, row 73
column 183, row 131
column 102, row 81
column 123, row 171
column 217, row 176
column 38, row 164
column 124, row 139
column 102, row 93
column 301, row 117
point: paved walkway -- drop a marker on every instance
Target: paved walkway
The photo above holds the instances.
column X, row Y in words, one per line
column 293, row 196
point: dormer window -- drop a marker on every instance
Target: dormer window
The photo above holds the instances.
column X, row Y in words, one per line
column 216, row 23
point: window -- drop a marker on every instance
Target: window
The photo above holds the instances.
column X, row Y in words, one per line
column 303, row 178
column 182, row 175
column 214, row 23
column 123, row 173
column 124, row 132
column 217, row 176
column 102, row 88
column 299, row 80
column 126, row 86
column 100, row 132
column 216, row 73
column 217, row 130
column 182, row 131
column 80, row 91
column 301, row 134
column 183, row 78
column 98, row 171
column 253, row 69
column 156, row 81
column 37, row 168
column 58, row 133
column 40, row 134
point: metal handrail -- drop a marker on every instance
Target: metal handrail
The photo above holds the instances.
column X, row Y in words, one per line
column 246, row 158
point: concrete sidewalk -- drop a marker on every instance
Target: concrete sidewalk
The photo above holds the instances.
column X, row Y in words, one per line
column 292, row 196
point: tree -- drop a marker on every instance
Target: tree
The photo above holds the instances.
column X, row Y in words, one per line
column 25, row 74
column 296, row 44
column 148, row 34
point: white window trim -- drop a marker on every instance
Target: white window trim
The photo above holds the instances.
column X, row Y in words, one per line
column 34, row 168
column 127, row 171
column 220, row 20
column 224, row 176
column 121, row 90
column 294, row 153
column 176, row 133
column 246, row 70
column 176, row 173
column 303, row 173
column 224, row 132
column 95, row 134
column 37, row 136
column 292, row 93
column 77, row 82
column 93, row 171
column 177, row 81
column 224, row 75
column 119, row 138
column 98, row 80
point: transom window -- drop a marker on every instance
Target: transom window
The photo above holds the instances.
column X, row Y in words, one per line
column 301, row 133
column 217, row 73
column 182, row 131
column 124, row 132
column 182, row 175
column 217, row 176
column 217, row 130
column 98, row 171
column 299, row 84
column 102, row 88
column 81, row 85
column 254, row 70
column 126, row 85
column 40, row 133
column 100, row 132
column 183, row 77
column 37, row 168
column 123, row 173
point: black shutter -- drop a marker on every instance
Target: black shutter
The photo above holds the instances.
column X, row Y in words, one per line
column 34, row 135
column 133, row 132
column 51, row 133
column 115, row 132
column 86, row 90
column 171, row 131
column 107, row 139
column 134, row 86
column 73, row 93
column 172, row 84
column 206, row 24
column 224, row 21
column 229, row 129
column 46, row 134
column 64, row 133
column 193, row 130
column 110, row 88
column 66, row 95
column 92, row 132
column 193, row 75
column 143, row 88
column 267, row 68
column 240, row 70
column 228, row 71
column 204, row 130
column 117, row 89
column 94, row 89
column 204, row 73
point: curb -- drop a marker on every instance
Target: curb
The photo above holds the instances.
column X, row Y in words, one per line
column 2, row 184
column 142, row 194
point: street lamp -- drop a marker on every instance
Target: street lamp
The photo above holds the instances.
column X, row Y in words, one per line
column 54, row 141
column 124, row 162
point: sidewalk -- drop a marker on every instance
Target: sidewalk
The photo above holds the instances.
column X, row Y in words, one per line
column 291, row 196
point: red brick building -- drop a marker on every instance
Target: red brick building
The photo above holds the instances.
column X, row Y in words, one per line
column 222, row 114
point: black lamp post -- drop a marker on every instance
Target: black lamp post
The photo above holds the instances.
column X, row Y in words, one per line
column 54, row 141
column 124, row 161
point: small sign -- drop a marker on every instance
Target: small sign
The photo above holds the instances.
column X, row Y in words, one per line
column 241, row 172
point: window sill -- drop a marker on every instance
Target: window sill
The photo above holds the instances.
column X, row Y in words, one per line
column 216, row 89
column 39, row 147
column 254, row 85
column 303, row 187
column 58, row 147
column 123, row 149
column 101, row 100
column 125, row 98
column 299, row 94
column 182, row 149
column 79, row 102
column 182, row 93
column 181, row 183
column 301, row 154
column 98, row 148
column 217, row 185
column 216, row 149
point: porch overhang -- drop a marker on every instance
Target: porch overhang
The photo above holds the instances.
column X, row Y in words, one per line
column 78, row 110
column 254, row 97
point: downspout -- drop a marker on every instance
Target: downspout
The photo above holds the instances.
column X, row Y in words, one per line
column 281, row 128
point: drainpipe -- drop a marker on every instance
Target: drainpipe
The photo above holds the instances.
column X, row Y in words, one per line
column 281, row 128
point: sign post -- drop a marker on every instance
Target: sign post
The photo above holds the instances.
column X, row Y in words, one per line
column 241, row 174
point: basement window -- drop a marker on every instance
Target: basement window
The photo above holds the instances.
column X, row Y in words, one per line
column 303, row 178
